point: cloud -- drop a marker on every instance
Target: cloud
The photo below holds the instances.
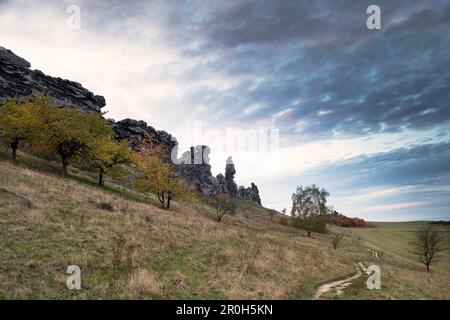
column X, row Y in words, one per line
column 340, row 94
column 379, row 186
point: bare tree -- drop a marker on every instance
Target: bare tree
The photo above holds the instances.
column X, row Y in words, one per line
column 272, row 213
column 427, row 245
column 336, row 240
column 224, row 205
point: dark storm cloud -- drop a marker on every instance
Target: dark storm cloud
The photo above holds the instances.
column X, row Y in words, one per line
column 311, row 56
column 322, row 54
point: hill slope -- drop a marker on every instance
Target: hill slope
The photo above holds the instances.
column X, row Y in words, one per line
column 137, row 250
column 395, row 237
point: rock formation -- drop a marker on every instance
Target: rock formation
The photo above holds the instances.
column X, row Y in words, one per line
column 194, row 168
column 143, row 138
column 193, row 165
column 230, row 185
column 251, row 193
column 222, row 185
column 18, row 80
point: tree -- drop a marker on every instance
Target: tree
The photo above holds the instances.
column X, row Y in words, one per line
column 158, row 177
column 113, row 158
column 224, row 205
column 20, row 120
column 72, row 134
column 336, row 240
column 309, row 210
column 427, row 244
column 311, row 224
column 272, row 213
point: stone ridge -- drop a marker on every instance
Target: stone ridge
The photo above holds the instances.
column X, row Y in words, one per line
column 18, row 80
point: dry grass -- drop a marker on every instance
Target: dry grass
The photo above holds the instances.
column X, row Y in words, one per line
column 142, row 284
column 138, row 251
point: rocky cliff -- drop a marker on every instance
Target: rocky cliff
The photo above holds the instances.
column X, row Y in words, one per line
column 18, row 80
column 193, row 165
column 143, row 138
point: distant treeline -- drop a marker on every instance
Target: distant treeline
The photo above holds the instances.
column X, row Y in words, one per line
column 443, row 222
column 346, row 222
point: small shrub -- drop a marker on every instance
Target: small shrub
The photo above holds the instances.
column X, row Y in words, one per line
column 336, row 240
column 311, row 224
column 144, row 283
column 248, row 257
column 107, row 206
column 26, row 203
column 118, row 249
column 272, row 213
column 224, row 205
column 284, row 221
column 174, row 285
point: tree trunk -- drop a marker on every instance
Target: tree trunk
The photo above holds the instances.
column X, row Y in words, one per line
column 14, row 146
column 100, row 178
column 161, row 198
column 309, row 233
column 169, row 198
column 428, row 268
column 64, row 168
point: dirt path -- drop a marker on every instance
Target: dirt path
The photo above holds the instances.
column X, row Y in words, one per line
column 340, row 285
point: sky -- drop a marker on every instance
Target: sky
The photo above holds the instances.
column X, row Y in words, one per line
column 297, row 92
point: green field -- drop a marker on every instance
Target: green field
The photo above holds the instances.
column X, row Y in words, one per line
column 396, row 237
column 402, row 276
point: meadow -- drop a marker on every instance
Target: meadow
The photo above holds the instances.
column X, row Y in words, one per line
column 129, row 248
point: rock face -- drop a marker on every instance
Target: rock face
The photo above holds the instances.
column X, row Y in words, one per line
column 222, row 184
column 18, row 80
column 193, row 165
column 230, row 185
column 251, row 193
column 194, row 168
column 143, row 138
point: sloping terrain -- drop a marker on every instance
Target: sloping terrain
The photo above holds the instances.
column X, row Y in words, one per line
column 133, row 249
column 396, row 238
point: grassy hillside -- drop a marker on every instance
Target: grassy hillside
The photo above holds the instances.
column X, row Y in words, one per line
column 129, row 248
column 402, row 275
column 396, row 238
